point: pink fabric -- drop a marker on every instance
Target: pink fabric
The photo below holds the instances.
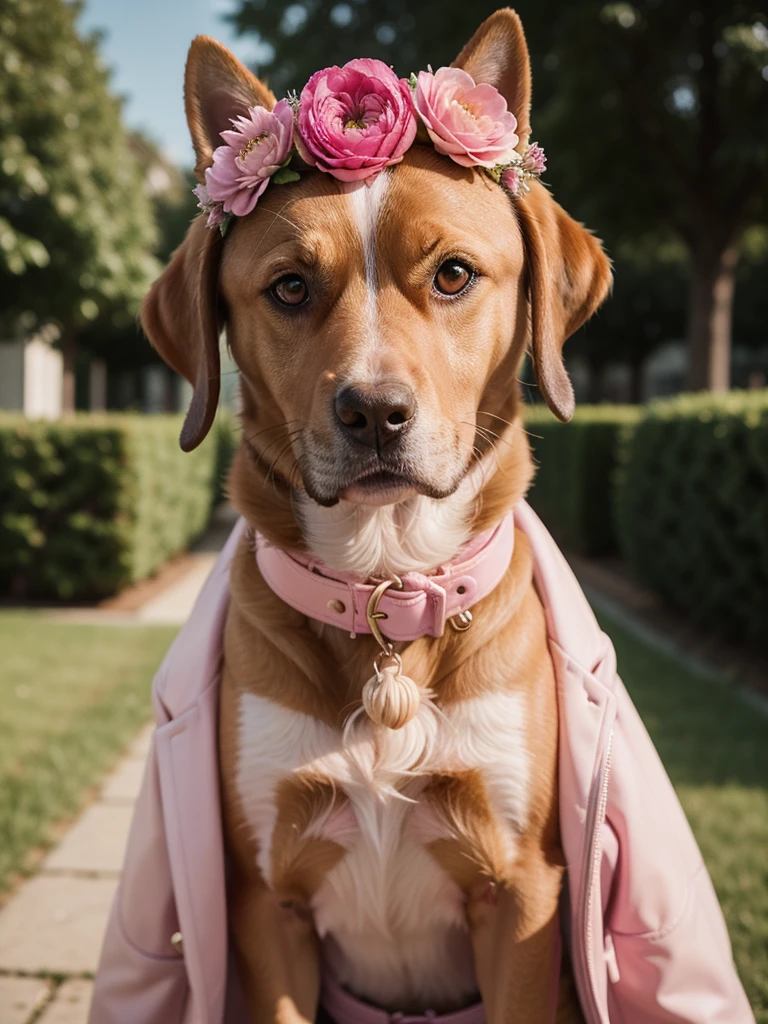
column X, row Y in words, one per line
column 647, row 938
column 345, row 1008
column 421, row 608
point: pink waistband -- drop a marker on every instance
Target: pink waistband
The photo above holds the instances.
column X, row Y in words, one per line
column 348, row 1009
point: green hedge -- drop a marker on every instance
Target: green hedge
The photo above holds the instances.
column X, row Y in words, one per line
column 572, row 490
column 692, row 508
column 92, row 504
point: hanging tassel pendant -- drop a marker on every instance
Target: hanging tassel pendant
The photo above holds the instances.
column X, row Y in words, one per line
column 390, row 697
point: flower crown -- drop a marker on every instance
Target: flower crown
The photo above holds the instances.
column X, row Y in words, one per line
column 354, row 121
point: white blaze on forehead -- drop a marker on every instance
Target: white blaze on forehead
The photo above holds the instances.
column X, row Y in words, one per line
column 366, row 202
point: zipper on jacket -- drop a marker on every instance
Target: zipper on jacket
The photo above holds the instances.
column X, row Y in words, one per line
column 592, row 867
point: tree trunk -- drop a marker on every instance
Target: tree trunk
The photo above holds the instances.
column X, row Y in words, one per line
column 69, row 354
column 710, row 314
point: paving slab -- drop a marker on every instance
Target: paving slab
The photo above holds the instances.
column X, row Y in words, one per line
column 139, row 748
column 70, row 1004
column 123, row 785
column 19, row 997
column 55, row 924
column 174, row 605
column 95, row 843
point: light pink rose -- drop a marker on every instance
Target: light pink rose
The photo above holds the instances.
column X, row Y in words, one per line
column 510, row 179
column 356, row 120
column 534, row 161
column 467, row 122
column 255, row 149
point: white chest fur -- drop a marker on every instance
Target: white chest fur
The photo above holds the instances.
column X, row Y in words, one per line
column 391, row 920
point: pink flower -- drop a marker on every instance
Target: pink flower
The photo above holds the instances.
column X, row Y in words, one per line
column 467, row 122
column 510, row 179
column 356, row 120
column 255, row 149
column 534, row 161
column 215, row 211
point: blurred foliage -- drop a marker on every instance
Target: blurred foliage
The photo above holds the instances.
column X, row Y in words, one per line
column 98, row 502
column 117, row 336
column 573, row 487
column 76, row 226
column 692, row 507
column 654, row 116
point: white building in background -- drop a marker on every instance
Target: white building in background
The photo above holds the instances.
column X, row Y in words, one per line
column 31, row 376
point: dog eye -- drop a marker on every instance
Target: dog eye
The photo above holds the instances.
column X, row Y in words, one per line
column 453, row 277
column 290, row 290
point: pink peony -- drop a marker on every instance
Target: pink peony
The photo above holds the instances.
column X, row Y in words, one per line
column 467, row 122
column 356, row 120
column 510, row 179
column 534, row 161
column 255, row 149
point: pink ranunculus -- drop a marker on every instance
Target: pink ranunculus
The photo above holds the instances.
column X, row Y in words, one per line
column 510, row 179
column 469, row 123
column 254, row 150
column 214, row 210
column 534, row 161
column 356, row 120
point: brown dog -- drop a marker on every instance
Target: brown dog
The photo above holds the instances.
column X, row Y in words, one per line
column 421, row 865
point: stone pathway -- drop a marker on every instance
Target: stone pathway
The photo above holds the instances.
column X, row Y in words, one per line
column 51, row 930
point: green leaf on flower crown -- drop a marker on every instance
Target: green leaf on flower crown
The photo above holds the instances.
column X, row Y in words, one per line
column 495, row 172
column 224, row 226
column 413, row 80
column 284, row 175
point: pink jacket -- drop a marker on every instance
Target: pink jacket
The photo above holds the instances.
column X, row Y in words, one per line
column 648, row 940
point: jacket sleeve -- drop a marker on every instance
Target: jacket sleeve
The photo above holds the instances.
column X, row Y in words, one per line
column 140, row 976
column 672, row 950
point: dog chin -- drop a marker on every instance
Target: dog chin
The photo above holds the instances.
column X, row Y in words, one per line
column 379, row 489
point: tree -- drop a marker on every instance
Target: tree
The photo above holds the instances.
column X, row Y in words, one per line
column 665, row 127
column 654, row 116
column 76, row 227
column 116, row 336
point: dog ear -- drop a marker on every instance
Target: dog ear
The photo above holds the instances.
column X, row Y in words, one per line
column 497, row 55
column 217, row 88
column 568, row 277
column 568, row 273
column 180, row 318
column 181, row 315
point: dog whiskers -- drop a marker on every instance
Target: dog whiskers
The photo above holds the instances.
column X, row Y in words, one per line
column 294, row 435
column 264, row 430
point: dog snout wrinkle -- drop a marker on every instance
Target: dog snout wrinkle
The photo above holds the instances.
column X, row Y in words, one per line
column 375, row 415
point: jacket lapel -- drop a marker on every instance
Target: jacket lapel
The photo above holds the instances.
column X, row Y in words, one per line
column 187, row 754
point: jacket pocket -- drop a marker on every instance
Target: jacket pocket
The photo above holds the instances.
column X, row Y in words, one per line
column 133, row 986
column 683, row 972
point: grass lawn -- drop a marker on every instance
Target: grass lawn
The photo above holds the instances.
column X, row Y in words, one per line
column 715, row 748
column 71, row 698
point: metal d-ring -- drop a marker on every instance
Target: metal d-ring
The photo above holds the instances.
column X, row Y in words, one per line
column 462, row 621
column 372, row 612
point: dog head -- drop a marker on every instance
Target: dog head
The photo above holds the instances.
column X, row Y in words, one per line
column 375, row 325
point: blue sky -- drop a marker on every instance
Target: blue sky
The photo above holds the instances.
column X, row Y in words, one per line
column 146, row 45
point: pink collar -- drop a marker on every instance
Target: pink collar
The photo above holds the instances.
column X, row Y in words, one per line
column 421, row 608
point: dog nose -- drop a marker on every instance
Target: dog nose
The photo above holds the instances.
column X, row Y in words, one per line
column 375, row 415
